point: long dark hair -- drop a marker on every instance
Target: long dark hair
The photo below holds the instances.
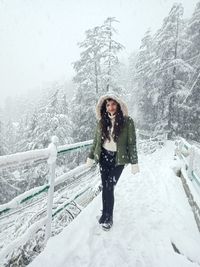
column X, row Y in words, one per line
column 106, row 124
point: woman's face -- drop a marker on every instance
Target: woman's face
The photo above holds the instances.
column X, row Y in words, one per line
column 111, row 106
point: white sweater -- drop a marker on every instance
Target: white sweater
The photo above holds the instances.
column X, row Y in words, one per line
column 110, row 145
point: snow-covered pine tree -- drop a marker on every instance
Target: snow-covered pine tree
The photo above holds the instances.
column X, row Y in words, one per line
column 144, row 80
column 161, row 74
column 189, row 103
column 132, row 90
column 10, row 136
column 169, row 42
column 111, row 65
column 34, row 131
column 88, row 82
column 88, row 68
column 193, row 35
column 191, row 112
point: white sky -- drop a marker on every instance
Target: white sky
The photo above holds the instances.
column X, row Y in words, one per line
column 38, row 38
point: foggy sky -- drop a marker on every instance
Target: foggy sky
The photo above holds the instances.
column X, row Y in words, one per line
column 38, row 38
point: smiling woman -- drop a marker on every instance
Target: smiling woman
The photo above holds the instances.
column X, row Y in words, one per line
column 113, row 147
column 111, row 106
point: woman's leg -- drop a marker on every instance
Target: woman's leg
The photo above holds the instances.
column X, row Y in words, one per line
column 104, row 170
column 104, row 174
column 113, row 178
column 109, row 175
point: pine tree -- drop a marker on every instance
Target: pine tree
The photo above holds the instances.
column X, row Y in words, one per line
column 10, row 137
column 168, row 45
column 188, row 104
column 144, row 80
column 110, row 59
column 193, row 35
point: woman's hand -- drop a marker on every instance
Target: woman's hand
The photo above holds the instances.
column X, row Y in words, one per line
column 135, row 168
column 90, row 162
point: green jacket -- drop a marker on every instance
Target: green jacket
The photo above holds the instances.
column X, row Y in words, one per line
column 126, row 144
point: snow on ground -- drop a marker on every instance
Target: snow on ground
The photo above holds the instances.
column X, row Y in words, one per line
column 151, row 210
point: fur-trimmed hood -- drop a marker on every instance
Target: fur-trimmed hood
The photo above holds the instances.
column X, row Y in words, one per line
column 114, row 96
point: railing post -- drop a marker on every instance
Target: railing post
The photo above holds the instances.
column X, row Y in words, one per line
column 180, row 147
column 52, row 165
column 190, row 164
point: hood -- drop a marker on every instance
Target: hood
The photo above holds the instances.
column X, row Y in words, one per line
column 114, row 96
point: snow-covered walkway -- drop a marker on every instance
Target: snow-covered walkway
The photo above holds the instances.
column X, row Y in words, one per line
column 151, row 211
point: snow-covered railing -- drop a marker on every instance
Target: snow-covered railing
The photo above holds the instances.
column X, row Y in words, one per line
column 189, row 170
column 36, row 156
column 50, row 154
column 190, row 155
column 148, row 143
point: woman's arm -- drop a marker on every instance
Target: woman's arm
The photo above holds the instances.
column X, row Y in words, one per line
column 132, row 146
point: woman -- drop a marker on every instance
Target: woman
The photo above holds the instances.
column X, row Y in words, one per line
column 114, row 146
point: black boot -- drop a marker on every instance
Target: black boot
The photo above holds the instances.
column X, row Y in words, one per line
column 108, row 222
column 102, row 219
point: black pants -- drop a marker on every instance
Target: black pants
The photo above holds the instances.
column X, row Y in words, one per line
column 109, row 175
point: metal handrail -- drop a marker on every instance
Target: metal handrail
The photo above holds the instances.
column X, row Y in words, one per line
column 38, row 154
column 24, row 157
column 189, row 153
